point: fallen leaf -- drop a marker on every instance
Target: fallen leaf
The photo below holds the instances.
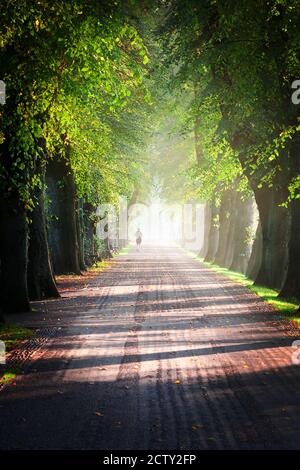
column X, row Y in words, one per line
column 98, row 413
column 197, row 426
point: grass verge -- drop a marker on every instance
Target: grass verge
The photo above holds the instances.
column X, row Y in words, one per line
column 11, row 335
column 8, row 375
column 286, row 307
column 124, row 250
column 100, row 265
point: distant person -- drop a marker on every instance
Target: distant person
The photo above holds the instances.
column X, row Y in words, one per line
column 138, row 238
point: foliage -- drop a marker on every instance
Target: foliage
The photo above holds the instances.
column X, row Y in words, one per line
column 241, row 65
column 12, row 334
column 271, row 296
column 75, row 81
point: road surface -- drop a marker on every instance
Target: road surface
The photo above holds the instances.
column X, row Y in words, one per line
column 157, row 352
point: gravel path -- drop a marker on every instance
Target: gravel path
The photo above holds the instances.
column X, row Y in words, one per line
column 157, row 352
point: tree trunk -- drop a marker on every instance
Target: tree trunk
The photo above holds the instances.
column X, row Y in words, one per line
column 241, row 242
column 207, row 223
column 80, row 233
column 63, row 235
column 256, row 255
column 107, row 244
column 41, row 283
column 90, row 251
column 233, row 216
column 274, row 224
column 224, row 220
column 291, row 286
column 213, row 237
column 13, row 256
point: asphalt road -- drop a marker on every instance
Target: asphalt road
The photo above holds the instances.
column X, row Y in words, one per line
column 157, row 352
